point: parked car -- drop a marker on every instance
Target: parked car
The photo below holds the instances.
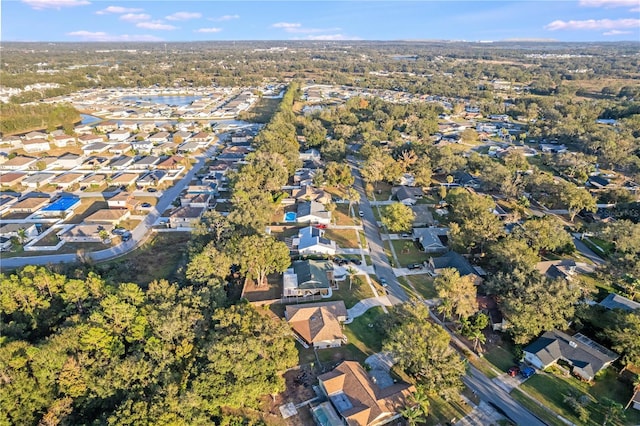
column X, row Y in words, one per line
column 145, row 205
column 321, row 226
column 414, row 266
column 152, row 190
column 356, row 261
column 527, row 372
column 340, row 261
column 513, row 371
column 360, row 213
column 383, row 281
column 405, row 235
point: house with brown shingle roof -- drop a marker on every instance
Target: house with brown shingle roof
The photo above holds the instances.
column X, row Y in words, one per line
column 11, row 178
column 359, row 399
column 112, row 216
column 18, row 163
column 171, row 163
column 63, row 140
column 318, row 324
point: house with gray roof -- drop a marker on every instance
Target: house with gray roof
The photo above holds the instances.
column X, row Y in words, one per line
column 454, row 260
column 429, row 239
column 585, row 356
column 312, row 212
column 308, row 278
column 407, row 195
column 615, row 301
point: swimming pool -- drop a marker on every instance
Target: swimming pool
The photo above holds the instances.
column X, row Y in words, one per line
column 325, row 415
column 290, row 216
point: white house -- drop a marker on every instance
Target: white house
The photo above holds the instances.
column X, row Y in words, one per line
column 312, row 212
column 36, row 145
column 310, row 240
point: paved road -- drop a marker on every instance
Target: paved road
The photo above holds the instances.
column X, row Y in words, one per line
column 490, row 392
column 381, row 264
column 138, row 235
column 587, row 252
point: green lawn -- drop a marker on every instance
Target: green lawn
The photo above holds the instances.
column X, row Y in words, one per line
column 423, row 284
column 550, row 390
column 262, row 111
column 408, row 253
column 500, row 357
column 442, row 412
column 536, row 409
column 382, row 191
column 365, row 337
column 345, row 238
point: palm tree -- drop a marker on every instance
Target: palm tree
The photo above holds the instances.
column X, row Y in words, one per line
column 413, row 415
column 421, row 398
column 22, row 235
column 353, row 196
column 446, row 308
column 351, row 271
column 614, row 412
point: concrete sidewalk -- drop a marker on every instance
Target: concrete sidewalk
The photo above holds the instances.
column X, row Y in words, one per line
column 364, row 305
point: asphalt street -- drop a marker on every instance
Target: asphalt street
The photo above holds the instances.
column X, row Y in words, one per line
column 381, row 264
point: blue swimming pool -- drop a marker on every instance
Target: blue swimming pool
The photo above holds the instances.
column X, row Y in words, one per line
column 61, row 205
column 290, row 216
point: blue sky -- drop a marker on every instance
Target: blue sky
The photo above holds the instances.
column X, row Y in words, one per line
column 100, row 20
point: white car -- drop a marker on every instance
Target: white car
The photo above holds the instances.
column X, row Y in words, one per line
column 361, row 213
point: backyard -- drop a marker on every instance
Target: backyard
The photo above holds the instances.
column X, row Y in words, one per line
column 344, row 238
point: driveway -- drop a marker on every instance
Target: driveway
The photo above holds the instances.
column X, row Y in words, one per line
column 586, row 251
column 381, row 264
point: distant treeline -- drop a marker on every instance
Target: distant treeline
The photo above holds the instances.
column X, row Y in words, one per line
column 23, row 118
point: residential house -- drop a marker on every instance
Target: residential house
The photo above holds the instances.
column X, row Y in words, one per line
column 196, row 200
column 454, row 260
column 201, row 138
column 7, row 199
column 585, row 356
column 187, row 147
column 29, row 205
column 407, row 195
column 5, row 244
column 159, row 138
column 185, row 217
column 565, row 268
column 166, row 148
column 94, row 180
column 598, row 182
column 11, row 178
column 466, row 179
column 119, row 148
column 181, row 136
column 121, row 163
column 147, row 126
column 63, row 140
column 94, row 148
column 635, row 400
column 67, row 161
column 318, row 324
column 95, row 163
column 37, row 180
column 119, row 135
column 615, row 301
column 124, row 179
column 65, row 180
column 312, row 212
column 172, row 163
column 152, row 178
column 422, row 216
column 122, row 200
column 85, row 233
column 310, row 155
column 489, row 306
column 429, row 238
column 19, row 163
column 107, row 126
column 129, row 125
column 310, row 193
column 83, row 129
column 36, row 145
column 362, row 400
column 553, row 148
column 146, row 163
column 309, row 278
column 90, row 139
column 110, row 216
column 142, row 147
column 13, row 230
column 34, row 135
column 202, row 189
column 310, row 240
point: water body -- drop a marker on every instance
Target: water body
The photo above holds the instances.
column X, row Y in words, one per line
column 163, row 100
column 89, row 119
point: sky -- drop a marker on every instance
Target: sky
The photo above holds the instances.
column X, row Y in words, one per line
column 102, row 20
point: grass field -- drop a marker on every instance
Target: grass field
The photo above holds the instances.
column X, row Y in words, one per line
column 340, row 215
column 423, row 284
column 345, row 238
column 363, row 333
column 408, row 253
column 500, row 357
column 262, row 110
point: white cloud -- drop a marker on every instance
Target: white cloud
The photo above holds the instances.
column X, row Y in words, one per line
column 183, row 16
column 102, row 36
column 331, row 37
column 593, row 24
column 54, row 4
column 224, row 18
column 118, row 9
column 135, row 17
column 296, row 28
column 609, row 3
column 286, row 25
column 156, row 25
column 207, row 30
column 616, row 32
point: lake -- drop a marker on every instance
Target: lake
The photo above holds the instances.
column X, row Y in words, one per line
column 88, row 119
column 164, row 100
